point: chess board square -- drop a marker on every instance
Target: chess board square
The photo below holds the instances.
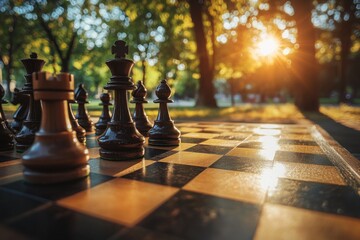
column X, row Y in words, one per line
column 191, row 140
column 267, row 131
column 5, row 158
column 189, row 129
column 320, row 159
column 221, row 142
column 175, row 175
column 11, row 169
column 302, row 137
column 152, row 153
column 242, row 164
column 192, row 158
column 239, row 137
column 209, row 149
column 121, row 200
column 297, row 142
column 56, row 222
column 201, row 135
column 234, row 185
column 137, row 233
column 117, row 168
column 57, row 191
column 192, row 215
column 259, row 154
column 327, row 198
column 251, row 144
column 302, row 149
column 13, row 204
column 213, row 130
column 309, row 172
column 304, row 224
column 181, row 147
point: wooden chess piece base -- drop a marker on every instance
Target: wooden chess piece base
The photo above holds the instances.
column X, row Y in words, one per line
column 121, row 142
column 164, row 134
column 54, row 158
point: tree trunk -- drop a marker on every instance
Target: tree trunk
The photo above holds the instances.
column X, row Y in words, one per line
column 345, row 39
column 304, row 61
column 206, row 89
column 143, row 66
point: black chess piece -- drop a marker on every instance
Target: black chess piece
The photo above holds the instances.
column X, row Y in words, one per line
column 105, row 117
column 121, row 140
column 80, row 132
column 140, row 118
column 25, row 137
column 6, row 136
column 19, row 116
column 56, row 155
column 82, row 115
column 164, row 132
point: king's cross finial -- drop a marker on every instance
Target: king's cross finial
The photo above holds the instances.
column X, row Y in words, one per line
column 120, row 49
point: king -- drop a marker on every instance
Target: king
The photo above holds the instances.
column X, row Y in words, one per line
column 121, row 140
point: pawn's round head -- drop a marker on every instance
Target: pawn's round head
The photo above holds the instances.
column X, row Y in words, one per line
column 163, row 90
column 105, row 97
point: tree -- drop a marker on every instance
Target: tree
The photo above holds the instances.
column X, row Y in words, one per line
column 206, row 91
column 345, row 29
column 304, row 63
column 13, row 36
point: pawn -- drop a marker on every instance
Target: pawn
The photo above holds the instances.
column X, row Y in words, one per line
column 6, row 136
column 164, row 132
column 80, row 132
column 142, row 122
column 19, row 116
column 56, row 155
column 105, row 117
column 82, row 115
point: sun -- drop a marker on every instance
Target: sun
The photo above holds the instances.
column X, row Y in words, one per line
column 268, row 46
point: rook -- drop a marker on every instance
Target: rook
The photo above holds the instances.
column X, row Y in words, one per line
column 56, row 155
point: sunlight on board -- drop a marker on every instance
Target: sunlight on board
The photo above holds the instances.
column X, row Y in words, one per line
column 269, row 46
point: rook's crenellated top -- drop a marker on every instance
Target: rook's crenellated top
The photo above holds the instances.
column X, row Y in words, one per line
column 49, row 86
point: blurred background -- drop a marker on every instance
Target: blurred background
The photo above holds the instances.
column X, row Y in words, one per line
column 214, row 53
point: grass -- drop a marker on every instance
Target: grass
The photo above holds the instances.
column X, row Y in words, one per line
column 344, row 114
column 277, row 113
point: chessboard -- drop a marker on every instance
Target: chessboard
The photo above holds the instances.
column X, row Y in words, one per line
column 224, row 181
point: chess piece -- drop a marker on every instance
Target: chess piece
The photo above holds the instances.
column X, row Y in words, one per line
column 82, row 115
column 121, row 140
column 56, row 155
column 19, row 116
column 25, row 137
column 142, row 122
column 164, row 132
column 80, row 132
column 105, row 117
column 6, row 136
